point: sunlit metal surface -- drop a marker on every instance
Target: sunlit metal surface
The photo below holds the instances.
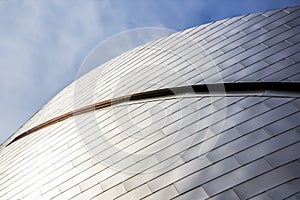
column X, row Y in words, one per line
column 182, row 147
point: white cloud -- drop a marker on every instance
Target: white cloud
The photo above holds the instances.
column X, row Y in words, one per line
column 41, row 45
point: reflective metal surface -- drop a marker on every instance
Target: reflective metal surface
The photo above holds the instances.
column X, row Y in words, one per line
column 187, row 147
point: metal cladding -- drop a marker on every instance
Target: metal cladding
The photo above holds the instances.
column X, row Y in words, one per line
column 211, row 112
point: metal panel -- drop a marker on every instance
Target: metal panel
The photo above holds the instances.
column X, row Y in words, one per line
column 197, row 193
column 268, row 180
column 285, row 155
column 285, row 190
column 238, row 145
column 207, row 174
column 229, row 194
column 166, row 193
column 254, row 155
column 236, row 176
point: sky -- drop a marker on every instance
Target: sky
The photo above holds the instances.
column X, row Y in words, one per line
column 43, row 43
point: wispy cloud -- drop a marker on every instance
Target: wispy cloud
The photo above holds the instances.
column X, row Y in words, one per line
column 41, row 44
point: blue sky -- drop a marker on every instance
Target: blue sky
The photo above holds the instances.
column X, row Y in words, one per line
column 43, row 43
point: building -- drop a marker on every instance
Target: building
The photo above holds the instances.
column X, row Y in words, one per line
column 209, row 112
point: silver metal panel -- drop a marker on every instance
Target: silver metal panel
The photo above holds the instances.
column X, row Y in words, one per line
column 285, row 190
column 268, row 146
column 269, row 180
column 284, row 155
column 207, row 174
column 229, row 194
column 171, row 148
column 166, row 193
column 197, row 193
column 236, row 176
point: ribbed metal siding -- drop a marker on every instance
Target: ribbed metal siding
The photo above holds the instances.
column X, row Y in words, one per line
column 255, row 155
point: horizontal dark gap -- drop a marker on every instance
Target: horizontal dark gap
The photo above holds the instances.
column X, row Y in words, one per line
column 207, row 89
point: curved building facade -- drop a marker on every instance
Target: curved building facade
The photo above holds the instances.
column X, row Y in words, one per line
column 211, row 112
